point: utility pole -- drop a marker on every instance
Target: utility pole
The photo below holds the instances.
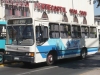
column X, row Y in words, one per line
column 72, row 4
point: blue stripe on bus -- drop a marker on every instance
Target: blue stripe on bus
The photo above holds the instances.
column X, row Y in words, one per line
column 93, row 49
column 43, row 50
column 3, row 22
column 58, row 43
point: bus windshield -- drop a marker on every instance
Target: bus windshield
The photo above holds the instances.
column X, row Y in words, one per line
column 21, row 34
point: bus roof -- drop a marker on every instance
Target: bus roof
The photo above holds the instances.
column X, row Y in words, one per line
column 3, row 22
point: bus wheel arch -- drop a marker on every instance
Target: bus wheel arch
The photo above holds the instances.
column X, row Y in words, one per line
column 51, row 57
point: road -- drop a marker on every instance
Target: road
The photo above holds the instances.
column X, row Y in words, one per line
column 63, row 67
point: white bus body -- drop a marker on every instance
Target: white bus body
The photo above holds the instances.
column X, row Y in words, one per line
column 53, row 43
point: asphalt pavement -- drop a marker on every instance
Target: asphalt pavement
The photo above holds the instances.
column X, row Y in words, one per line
column 72, row 66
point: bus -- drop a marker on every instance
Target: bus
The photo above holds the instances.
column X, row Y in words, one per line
column 36, row 41
column 2, row 39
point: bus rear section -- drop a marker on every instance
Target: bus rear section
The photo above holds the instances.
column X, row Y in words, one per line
column 2, row 39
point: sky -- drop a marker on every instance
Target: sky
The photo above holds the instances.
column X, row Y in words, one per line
column 96, row 10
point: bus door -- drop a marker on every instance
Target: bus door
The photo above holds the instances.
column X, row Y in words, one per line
column 41, row 36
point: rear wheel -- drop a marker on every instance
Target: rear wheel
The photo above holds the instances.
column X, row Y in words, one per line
column 1, row 57
column 51, row 58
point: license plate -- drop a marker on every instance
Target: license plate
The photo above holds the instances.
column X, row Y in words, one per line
column 16, row 58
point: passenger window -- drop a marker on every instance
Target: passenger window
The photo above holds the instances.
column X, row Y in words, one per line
column 2, row 32
column 54, row 30
column 41, row 34
column 65, row 31
column 76, row 32
column 85, row 31
column 93, row 32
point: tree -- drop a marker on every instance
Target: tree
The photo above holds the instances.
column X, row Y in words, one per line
column 98, row 1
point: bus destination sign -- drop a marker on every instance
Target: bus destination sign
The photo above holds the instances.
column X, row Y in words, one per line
column 20, row 21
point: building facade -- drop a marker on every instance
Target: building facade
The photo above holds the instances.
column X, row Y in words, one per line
column 72, row 11
column 97, row 22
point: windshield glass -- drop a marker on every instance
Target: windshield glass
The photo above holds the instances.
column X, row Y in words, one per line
column 21, row 35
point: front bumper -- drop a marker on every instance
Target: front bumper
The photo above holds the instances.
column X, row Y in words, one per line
column 19, row 58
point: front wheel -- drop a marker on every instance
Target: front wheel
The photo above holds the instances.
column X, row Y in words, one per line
column 50, row 59
column 1, row 58
column 83, row 54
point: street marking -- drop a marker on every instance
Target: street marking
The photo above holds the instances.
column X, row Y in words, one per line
column 36, row 70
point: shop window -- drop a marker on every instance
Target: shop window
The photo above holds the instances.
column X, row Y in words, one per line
column 75, row 19
column 93, row 32
column 54, row 30
column 44, row 15
column 13, row 11
column 76, row 32
column 85, row 31
column 84, row 20
column 65, row 31
column 65, row 19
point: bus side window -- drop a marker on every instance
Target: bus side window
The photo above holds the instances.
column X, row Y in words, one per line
column 41, row 34
column 85, row 31
column 54, row 30
column 65, row 31
column 76, row 32
column 2, row 32
column 93, row 32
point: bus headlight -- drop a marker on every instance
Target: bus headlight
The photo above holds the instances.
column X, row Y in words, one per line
column 7, row 52
column 30, row 54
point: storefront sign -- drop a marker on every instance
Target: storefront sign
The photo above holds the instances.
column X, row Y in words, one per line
column 81, row 13
column 48, row 7
column 16, row 3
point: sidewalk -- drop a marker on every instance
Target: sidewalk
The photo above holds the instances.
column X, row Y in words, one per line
column 92, row 72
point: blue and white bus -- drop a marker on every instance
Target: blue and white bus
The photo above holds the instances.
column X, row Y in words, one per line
column 36, row 41
column 2, row 39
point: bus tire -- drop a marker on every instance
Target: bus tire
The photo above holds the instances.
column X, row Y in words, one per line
column 83, row 53
column 1, row 57
column 50, row 59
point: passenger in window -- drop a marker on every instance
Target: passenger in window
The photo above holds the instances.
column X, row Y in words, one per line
column 69, row 34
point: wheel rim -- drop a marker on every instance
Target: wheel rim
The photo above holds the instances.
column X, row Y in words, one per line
column 50, row 59
column 1, row 57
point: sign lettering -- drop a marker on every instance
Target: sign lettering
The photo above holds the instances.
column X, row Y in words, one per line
column 42, row 6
